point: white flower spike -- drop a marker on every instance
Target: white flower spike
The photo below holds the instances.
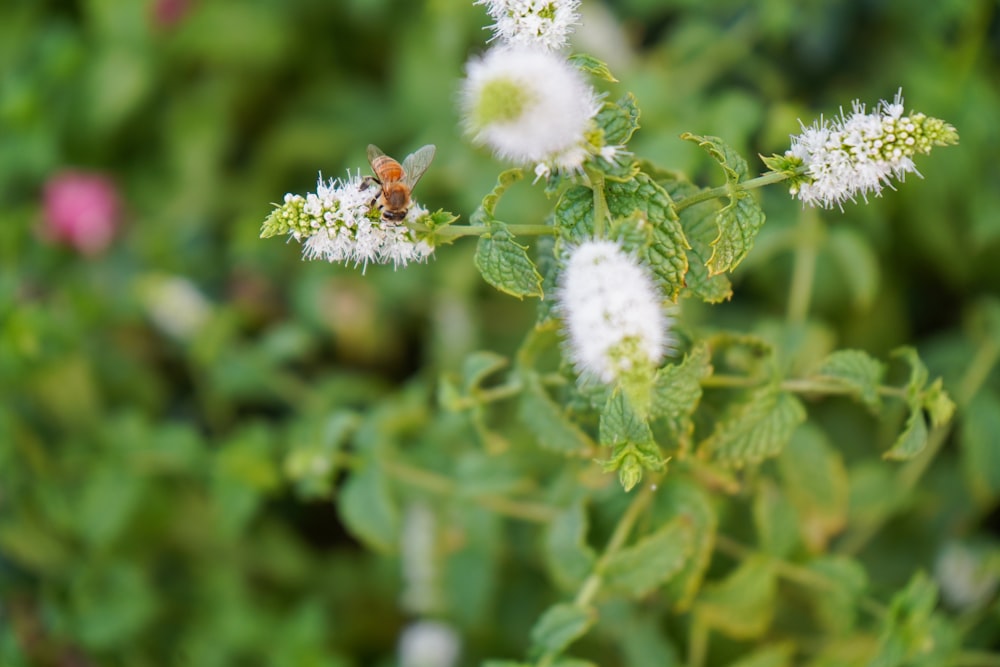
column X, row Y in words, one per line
column 859, row 153
column 533, row 23
column 613, row 315
column 338, row 223
column 529, row 106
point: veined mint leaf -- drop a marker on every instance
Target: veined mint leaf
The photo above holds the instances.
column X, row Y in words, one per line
column 653, row 560
column 698, row 223
column 568, row 556
column 757, row 428
column 814, row 478
column 740, row 220
column 857, row 371
column 487, row 208
column 591, row 65
column 680, row 497
column 619, row 120
column 912, row 440
column 560, row 626
column 742, row 605
column 677, row 390
column 547, row 421
column 574, row 214
column 631, row 440
column 667, row 254
column 505, row 264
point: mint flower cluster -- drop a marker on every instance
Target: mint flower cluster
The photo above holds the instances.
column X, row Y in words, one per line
column 533, row 23
column 339, row 223
column 859, row 154
column 615, row 324
column 523, row 99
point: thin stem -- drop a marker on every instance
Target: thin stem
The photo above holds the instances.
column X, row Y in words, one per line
column 794, row 573
column 804, row 270
column 796, row 385
column 450, row 232
column 601, row 213
column 592, row 585
column 727, row 190
column 445, row 486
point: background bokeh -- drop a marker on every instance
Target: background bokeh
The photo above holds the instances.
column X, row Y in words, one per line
column 156, row 390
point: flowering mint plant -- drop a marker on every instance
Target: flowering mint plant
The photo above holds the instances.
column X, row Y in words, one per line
column 698, row 423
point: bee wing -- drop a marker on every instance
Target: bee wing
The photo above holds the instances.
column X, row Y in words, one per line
column 416, row 163
column 374, row 152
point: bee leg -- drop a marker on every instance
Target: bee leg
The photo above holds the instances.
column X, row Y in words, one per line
column 368, row 181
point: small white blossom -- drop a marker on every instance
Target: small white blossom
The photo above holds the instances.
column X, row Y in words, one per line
column 536, row 23
column 859, row 153
column 967, row 576
column 175, row 305
column 339, row 223
column 530, row 107
column 612, row 311
column 428, row 644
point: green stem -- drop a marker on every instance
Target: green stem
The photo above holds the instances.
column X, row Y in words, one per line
column 592, row 585
column 441, row 485
column 802, row 576
column 729, row 190
column 601, row 212
column 795, row 385
column 804, row 270
column 450, row 232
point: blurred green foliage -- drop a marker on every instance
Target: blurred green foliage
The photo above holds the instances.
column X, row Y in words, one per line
column 178, row 496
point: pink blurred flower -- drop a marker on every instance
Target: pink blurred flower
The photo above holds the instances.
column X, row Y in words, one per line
column 168, row 13
column 82, row 210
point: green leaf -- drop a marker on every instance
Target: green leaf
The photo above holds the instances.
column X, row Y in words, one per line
column 773, row 655
column 857, row 263
column 591, row 65
column 681, row 497
column 560, row 626
column 653, row 560
column 775, row 519
column 631, row 440
column 487, row 208
column 739, row 222
column 367, row 508
column 918, row 372
column 836, row 607
column 741, row 606
column 912, row 440
column 310, row 462
column 506, row 265
column 547, row 421
column 979, row 447
column 757, row 428
column 814, row 477
column 940, row 408
column 619, row 120
column 667, row 254
column 634, row 233
column 858, row 372
column 568, row 556
column 698, row 223
column 574, row 215
column 478, row 366
column 677, row 391
column 907, row 626
column 741, row 219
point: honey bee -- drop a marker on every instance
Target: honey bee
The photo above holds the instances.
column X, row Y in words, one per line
column 397, row 180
